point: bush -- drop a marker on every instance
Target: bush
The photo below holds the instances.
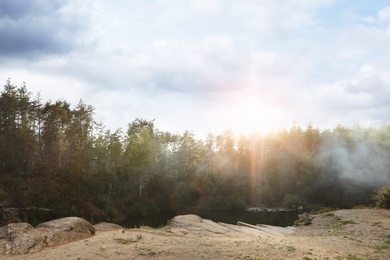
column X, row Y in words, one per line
column 3, row 195
column 382, row 198
column 292, row 200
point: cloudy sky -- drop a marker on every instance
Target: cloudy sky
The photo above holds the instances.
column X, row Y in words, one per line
column 205, row 65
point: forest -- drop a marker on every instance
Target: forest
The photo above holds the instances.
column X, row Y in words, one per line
column 55, row 156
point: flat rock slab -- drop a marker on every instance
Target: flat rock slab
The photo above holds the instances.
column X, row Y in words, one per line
column 65, row 230
column 19, row 238
column 196, row 224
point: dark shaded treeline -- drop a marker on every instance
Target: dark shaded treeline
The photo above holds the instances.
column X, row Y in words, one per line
column 55, row 156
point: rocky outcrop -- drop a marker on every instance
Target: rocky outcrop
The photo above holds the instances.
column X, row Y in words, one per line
column 65, row 230
column 197, row 225
column 22, row 238
column 185, row 220
column 19, row 238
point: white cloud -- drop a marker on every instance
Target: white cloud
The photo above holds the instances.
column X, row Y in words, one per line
column 384, row 15
column 209, row 6
column 198, row 64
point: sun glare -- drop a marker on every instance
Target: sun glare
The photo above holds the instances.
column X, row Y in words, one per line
column 250, row 115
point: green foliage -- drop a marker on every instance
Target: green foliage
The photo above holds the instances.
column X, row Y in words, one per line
column 329, row 214
column 299, row 222
column 292, row 200
column 186, row 195
column 382, row 198
column 347, row 222
column 353, row 257
column 60, row 156
column 382, row 247
column 230, row 202
column 140, row 208
column 3, row 195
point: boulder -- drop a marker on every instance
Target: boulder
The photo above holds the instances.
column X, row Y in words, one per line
column 185, row 220
column 65, row 230
column 104, row 226
column 19, row 238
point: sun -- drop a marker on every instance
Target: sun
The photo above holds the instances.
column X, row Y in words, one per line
column 249, row 114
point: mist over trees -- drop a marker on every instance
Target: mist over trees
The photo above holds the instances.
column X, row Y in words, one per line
column 54, row 155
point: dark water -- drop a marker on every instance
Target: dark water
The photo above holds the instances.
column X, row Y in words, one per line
column 275, row 218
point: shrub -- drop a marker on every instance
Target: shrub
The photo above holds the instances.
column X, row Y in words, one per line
column 382, row 198
column 291, row 200
column 3, row 195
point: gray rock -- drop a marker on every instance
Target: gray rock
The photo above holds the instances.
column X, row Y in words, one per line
column 19, row 238
column 104, row 226
column 185, row 220
column 65, row 230
column 197, row 225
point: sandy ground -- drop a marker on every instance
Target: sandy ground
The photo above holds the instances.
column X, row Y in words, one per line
column 345, row 234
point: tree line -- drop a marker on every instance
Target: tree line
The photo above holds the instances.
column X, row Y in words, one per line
column 54, row 155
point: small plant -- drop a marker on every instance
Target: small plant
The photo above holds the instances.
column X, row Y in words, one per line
column 352, row 257
column 349, row 257
column 125, row 241
column 343, row 222
column 337, row 218
column 146, row 251
column 329, row 214
column 299, row 222
column 290, row 248
column 382, row 247
column 346, row 222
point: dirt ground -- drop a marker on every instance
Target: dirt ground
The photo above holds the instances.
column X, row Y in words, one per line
column 344, row 234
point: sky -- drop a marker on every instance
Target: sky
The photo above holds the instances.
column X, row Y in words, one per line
column 205, row 65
